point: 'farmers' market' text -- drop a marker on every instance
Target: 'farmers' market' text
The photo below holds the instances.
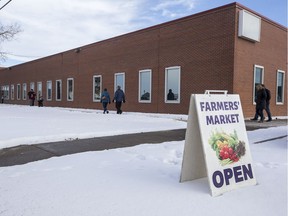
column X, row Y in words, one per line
column 220, row 106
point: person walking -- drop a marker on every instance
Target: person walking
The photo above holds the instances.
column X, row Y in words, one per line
column 260, row 101
column 32, row 96
column 105, row 99
column 119, row 97
column 267, row 107
column 40, row 101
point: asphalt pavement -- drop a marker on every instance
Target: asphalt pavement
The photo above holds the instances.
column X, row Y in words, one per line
column 28, row 153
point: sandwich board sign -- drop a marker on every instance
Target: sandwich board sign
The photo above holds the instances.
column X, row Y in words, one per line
column 216, row 143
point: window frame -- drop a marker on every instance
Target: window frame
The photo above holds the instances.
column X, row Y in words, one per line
column 6, row 92
column 167, row 88
column 12, row 92
column 58, row 91
column 283, row 88
column 47, row 90
column 39, row 90
column 32, row 86
column 18, row 91
column 24, row 91
column 116, row 83
column 72, row 92
column 94, row 95
column 150, row 86
column 254, row 81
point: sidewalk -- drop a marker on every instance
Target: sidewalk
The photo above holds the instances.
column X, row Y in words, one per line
column 27, row 153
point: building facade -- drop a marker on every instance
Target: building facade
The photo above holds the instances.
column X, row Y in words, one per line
column 227, row 48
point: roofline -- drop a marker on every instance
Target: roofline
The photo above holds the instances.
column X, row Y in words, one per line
column 133, row 32
column 238, row 5
column 234, row 4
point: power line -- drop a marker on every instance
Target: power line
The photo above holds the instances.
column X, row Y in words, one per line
column 25, row 56
column 5, row 4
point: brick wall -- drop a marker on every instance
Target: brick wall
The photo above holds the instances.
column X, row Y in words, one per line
column 270, row 53
column 204, row 45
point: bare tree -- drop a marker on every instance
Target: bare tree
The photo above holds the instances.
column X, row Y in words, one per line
column 7, row 33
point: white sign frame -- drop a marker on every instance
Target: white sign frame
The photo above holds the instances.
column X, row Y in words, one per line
column 212, row 116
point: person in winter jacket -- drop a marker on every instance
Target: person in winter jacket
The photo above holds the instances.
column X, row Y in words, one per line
column 119, row 97
column 105, row 99
column 32, row 96
column 267, row 107
column 260, row 101
column 40, row 101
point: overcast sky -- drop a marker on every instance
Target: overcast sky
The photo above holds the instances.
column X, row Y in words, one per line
column 50, row 27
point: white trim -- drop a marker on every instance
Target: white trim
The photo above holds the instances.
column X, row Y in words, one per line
column 32, row 86
column 12, row 92
column 72, row 96
column 6, row 91
column 39, row 84
column 283, row 92
column 139, row 86
column 47, row 98
column 115, row 84
column 262, row 80
column 179, row 86
column 60, row 81
column 100, row 91
column 18, row 91
column 24, row 91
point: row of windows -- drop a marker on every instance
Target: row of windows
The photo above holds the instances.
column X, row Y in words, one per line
column 70, row 86
column 172, row 87
column 259, row 79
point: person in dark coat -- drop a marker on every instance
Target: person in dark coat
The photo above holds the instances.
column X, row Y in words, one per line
column 40, row 101
column 267, row 107
column 32, row 96
column 260, row 101
column 119, row 97
column 105, row 99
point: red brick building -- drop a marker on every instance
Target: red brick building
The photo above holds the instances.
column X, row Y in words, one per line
column 227, row 48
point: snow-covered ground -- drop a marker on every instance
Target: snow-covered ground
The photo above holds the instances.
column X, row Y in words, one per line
column 140, row 180
column 31, row 125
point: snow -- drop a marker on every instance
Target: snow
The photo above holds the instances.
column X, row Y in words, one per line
column 47, row 124
column 140, row 180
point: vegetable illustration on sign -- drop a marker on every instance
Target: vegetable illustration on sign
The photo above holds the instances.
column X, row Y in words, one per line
column 229, row 149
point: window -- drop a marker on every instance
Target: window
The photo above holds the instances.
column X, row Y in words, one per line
column 24, row 91
column 145, row 86
column 258, row 79
column 70, row 89
column 32, row 86
column 18, row 92
column 39, row 90
column 97, row 88
column 280, row 87
column 5, row 92
column 12, row 92
column 172, row 84
column 119, row 81
column 58, row 90
column 49, row 90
